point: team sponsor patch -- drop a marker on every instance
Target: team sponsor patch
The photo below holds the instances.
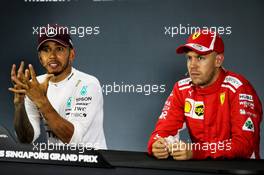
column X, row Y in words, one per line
column 248, row 113
column 82, row 104
column 198, row 47
column 184, row 81
column 245, row 97
column 84, row 99
column 194, row 109
column 77, row 105
column 79, row 108
column 247, row 104
column 69, row 102
column 199, row 109
column 78, row 114
column 222, row 98
column 248, row 125
column 233, row 81
column 163, row 115
column 167, row 105
column 83, row 91
column 242, row 111
column 190, row 92
column 165, row 110
column 251, row 114
column 187, row 107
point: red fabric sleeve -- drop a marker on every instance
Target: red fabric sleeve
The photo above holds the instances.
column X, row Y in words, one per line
column 171, row 118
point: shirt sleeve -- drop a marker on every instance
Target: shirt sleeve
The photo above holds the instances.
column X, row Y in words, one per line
column 245, row 115
column 33, row 116
column 171, row 120
column 88, row 103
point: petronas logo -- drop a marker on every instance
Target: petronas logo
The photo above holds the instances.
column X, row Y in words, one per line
column 83, row 91
column 69, row 101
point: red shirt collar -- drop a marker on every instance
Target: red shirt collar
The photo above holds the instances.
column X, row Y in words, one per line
column 213, row 87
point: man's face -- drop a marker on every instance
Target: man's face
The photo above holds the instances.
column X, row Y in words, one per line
column 55, row 58
column 202, row 68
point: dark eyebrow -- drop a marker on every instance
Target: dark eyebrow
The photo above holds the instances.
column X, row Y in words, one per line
column 43, row 47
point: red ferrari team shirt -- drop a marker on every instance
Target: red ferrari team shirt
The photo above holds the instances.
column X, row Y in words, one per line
column 223, row 119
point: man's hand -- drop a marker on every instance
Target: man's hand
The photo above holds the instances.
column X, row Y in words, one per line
column 32, row 88
column 19, row 93
column 160, row 149
column 36, row 91
column 22, row 125
column 181, row 151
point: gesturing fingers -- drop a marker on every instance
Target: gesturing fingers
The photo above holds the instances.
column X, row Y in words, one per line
column 18, row 91
column 27, row 76
column 18, row 82
column 32, row 73
column 13, row 71
column 20, row 74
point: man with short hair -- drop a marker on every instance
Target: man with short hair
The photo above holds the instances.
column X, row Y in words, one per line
column 69, row 101
column 220, row 108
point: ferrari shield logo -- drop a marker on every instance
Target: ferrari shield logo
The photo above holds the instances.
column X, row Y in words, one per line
column 196, row 35
column 222, row 98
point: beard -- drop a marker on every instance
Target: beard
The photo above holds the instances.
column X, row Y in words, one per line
column 60, row 71
column 205, row 82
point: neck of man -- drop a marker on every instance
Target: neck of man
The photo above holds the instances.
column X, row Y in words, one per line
column 62, row 75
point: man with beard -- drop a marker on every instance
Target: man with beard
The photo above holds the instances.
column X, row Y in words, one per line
column 220, row 108
column 69, row 101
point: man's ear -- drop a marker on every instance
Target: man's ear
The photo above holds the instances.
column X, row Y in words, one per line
column 72, row 54
column 219, row 60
